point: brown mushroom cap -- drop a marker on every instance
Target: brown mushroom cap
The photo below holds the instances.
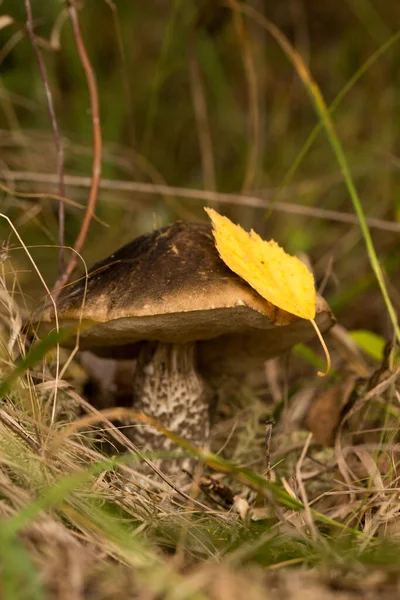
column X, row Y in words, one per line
column 171, row 286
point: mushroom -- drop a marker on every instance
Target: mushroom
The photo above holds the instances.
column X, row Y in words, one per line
column 168, row 300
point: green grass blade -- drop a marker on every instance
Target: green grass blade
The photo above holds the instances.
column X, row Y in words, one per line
column 327, row 123
column 332, row 107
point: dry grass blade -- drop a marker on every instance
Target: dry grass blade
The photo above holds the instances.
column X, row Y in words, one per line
column 302, row 491
column 49, row 295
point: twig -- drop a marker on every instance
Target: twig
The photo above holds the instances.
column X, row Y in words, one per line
column 56, row 133
column 97, row 148
column 205, row 196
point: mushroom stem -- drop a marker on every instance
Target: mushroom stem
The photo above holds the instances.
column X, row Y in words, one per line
column 167, row 387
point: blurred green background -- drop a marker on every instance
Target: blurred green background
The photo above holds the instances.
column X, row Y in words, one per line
column 195, row 94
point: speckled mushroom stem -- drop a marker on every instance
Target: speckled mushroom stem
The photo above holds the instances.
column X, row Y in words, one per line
column 168, row 388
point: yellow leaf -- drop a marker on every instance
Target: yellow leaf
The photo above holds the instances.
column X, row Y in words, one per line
column 277, row 276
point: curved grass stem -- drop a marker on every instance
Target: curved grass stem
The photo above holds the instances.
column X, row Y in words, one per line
column 325, row 348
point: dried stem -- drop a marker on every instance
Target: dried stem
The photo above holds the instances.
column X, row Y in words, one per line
column 56, row 133
column 208, row 196
column 97, row 148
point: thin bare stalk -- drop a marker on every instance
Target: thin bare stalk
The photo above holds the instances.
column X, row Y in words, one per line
column 97, row 148
column 203, row 196
column 56, row 133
